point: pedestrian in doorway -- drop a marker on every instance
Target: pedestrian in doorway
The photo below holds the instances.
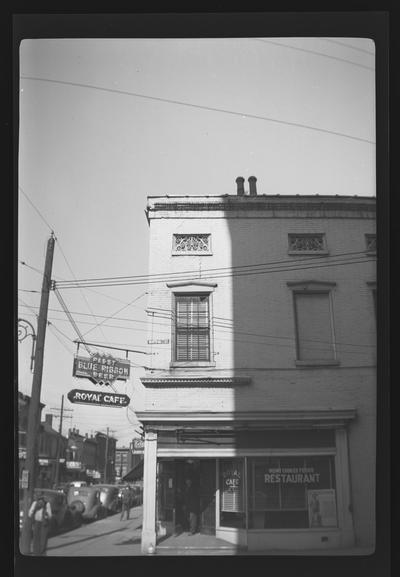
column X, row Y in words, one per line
column 40, row 513
column 191, row 505
column 126, row 503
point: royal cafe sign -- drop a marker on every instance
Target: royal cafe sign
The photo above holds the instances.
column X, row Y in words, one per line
column 100, row 369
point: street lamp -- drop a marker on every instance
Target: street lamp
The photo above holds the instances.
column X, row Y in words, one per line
column 23, row 332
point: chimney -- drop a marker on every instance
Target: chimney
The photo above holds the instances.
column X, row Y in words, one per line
column 240, row 185
column 252, row 185
column 49, row 420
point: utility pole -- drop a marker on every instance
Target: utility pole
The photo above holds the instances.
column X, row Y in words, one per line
column 57, row 473
column 106, row 460
column 34, row 405
column 105, row 475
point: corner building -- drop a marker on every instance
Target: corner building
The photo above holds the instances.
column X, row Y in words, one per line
column 262, row 384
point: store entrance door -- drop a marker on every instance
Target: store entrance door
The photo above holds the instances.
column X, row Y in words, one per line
column 171, row 490
column 207, row 496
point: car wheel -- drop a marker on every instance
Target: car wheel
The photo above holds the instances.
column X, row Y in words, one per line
column 77, row 506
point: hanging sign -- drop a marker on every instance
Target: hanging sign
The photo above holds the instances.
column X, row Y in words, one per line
column 98, row 398
column 101, row 369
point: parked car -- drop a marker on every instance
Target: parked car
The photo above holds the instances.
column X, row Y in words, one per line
column 109, row 498
column 86, row 500
column 63, row 517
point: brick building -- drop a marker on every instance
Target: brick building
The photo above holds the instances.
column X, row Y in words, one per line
column 263, row 385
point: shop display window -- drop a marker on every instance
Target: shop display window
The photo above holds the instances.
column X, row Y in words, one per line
column 291, row 492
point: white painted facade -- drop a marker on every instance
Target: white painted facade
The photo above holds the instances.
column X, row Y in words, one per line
column 254, row 381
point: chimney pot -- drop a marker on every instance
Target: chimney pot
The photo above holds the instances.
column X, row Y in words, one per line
column 240, row 185
column 252, row 185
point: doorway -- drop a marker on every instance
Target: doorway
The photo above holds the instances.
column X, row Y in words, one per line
column 171, row 479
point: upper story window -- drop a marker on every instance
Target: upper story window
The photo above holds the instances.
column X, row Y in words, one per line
column 195, row 244
column 315, row 339
column 192, row 327
column 308, row 243
column 370, row 241
column 192, row 337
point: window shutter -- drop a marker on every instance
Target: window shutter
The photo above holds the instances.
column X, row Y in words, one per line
column 314, row 329
column 192, row 328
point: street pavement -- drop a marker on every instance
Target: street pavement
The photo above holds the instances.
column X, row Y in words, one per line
column 111, row 537
column 106, row 537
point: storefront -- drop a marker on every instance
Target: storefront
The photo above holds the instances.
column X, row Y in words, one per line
column 269, row 488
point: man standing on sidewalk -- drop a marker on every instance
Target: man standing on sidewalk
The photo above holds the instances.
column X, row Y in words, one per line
column 126, row 503
column 40, row 513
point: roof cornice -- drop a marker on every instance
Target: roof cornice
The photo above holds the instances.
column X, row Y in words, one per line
column 196, row 381
column 249, row 419
column 266, row 203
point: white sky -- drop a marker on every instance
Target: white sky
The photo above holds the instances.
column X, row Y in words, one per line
column 88, row 158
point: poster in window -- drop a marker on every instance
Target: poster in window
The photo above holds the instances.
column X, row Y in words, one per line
column 322, row 508
column 232, row 487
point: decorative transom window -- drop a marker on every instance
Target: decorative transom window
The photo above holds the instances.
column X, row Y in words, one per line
column 191, row 244
column 307, row 242
column 370, row 240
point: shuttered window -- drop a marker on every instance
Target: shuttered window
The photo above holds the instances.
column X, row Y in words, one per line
column 314, row 326
column 192, row 328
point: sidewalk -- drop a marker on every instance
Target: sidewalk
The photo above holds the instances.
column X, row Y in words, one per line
column 108, row 537
column 111, row 537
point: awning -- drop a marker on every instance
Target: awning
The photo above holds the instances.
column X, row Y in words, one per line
column 134, row 474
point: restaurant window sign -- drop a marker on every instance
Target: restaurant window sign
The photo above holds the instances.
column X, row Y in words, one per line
column 284, row 490
column 232, row 510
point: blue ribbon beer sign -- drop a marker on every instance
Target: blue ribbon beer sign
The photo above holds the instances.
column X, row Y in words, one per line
column 100, row 398
column 101, row 369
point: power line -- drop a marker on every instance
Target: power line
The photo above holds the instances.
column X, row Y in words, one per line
column 316, row 53
column 347, row 45
column 36, row 209
column 199, row 106
column 81, row 291
column 236, row 274
column 84, row 288
column 70, row 318
column 230, row 329
column 116, row 312
column 236, row 268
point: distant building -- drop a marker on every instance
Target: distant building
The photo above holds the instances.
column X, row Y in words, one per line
column 123, row 461
column 106, row 446
column 264, row 384
column 52, row 446
column 23, row 411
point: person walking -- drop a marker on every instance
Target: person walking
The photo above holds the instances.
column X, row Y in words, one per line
column 40, row 513
column 191, row 504
column 126, row 503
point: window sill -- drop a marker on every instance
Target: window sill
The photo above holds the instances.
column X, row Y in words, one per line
column 191, row 364
column 194, row 253
column 318, row 363
column 308, row 252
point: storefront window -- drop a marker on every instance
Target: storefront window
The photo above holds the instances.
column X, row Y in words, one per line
column 291, row 492
column 231, row 482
